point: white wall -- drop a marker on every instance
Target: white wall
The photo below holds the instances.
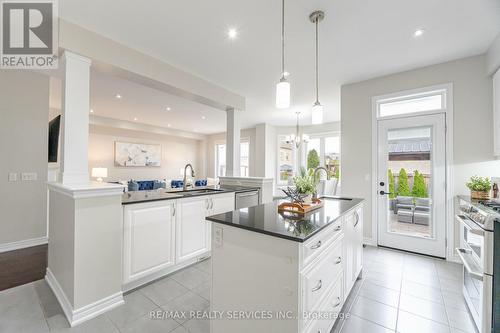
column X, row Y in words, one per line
column 493, row 56
column 24, row 111
column 473, row 130
column 176, row 153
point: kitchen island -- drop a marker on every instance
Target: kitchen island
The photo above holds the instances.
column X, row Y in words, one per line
column 279, row 272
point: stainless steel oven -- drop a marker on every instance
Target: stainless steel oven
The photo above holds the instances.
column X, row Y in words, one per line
column 476, row 252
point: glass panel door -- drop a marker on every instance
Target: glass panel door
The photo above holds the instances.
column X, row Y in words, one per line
column 411, row 184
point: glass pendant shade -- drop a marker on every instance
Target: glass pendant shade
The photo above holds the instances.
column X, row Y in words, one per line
column 317, row 113
column 283, row 94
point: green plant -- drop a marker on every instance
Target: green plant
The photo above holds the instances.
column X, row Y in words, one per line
column 305, row 182
column 403, row 186
column 312, row 159
column 481, row 184
column 390, row 176
column 419, row 189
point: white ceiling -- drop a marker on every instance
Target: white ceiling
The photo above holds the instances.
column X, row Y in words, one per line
column 149, row 106
column 359, row 39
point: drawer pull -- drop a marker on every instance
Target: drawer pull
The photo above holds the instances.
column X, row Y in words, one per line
column 316, row 246
column 338, row 261
column 318, row 287
column 338, row 302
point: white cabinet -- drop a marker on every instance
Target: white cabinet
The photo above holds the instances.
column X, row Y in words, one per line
column 496, row 112
column 192, row 228
column 149, row 231
column 353, row 249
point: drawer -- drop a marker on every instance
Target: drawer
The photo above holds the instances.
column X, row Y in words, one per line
column 318, row 280
column 329, row 309
column 313, row 247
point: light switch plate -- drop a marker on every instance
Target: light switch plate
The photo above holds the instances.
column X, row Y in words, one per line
column 29, row 176
column 12, row 177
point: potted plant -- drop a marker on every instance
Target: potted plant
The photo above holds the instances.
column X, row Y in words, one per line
column 305, row 184
column 479, row 187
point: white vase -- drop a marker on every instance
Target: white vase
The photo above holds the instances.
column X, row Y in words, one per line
column 308, row 200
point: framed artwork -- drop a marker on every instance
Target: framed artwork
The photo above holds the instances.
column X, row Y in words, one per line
column 128, row 154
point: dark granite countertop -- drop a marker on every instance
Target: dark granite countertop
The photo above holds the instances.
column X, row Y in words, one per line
column 163, row 194
column 265, row 218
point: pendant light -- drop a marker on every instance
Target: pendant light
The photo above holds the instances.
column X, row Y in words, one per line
column 283, row 87
column 317, row 109
column 297, row 139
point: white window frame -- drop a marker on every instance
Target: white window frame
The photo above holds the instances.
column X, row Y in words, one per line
column 223, row 142
column 447, row 91
column 280, row 182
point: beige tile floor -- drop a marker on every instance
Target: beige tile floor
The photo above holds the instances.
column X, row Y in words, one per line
column 398, row 292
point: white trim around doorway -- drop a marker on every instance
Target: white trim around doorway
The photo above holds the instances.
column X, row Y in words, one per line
column 448, row 111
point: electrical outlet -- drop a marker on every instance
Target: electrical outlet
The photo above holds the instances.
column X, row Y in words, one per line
column 29, row 176
column 12, row 177
column 218, row 236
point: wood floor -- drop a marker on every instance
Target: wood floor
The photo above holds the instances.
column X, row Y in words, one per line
column 22, row 266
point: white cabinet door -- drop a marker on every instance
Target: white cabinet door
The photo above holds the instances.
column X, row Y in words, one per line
column 221, row 203
column 149, row 238
column 349, row 252
column 192, row 237
column 358, row 242
column 496, row 112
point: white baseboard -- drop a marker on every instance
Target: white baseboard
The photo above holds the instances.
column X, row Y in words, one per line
column 6, row 247
column 87, row 312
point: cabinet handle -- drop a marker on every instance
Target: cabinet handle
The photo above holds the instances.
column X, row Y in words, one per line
column 316, row 246
column 318, row 287
column 338, row 261
column 357, row 219
column 211, row 203
column 173, row 212
column 207, row 204
column 338, row 302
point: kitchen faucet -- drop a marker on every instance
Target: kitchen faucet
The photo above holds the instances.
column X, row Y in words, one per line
column 315, row 194
column 184, row 182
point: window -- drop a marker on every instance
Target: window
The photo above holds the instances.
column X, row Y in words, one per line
column 244, row 160
column 313, row 153
column 285, row 160
column 220, row 159
column 332, row 156
column 324, row 151
column 427, row 101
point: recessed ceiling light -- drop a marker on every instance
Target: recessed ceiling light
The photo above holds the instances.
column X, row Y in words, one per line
column 136, row 119
column 203, row 117
column 168, row 108
column 168, row 125
column 418, row 32
column 118, row 96
column 232, row 33
column 91, row 110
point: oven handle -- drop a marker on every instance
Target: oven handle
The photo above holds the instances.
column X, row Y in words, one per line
column 469, row 264
column 474, row 229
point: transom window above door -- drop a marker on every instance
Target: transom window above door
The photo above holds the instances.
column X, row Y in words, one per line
column 418, row 102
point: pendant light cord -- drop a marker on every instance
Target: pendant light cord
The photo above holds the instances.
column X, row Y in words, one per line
column 283, row 39
column 317, row 85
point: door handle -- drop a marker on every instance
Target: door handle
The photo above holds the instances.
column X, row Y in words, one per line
column 318, row 287
column 384, row 193
column 339, row 301
column 316, row 246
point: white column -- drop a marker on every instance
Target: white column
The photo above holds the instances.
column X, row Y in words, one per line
column 75, row 119
column 233, row 143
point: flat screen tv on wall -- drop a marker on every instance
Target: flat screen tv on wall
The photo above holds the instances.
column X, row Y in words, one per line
column 54, row 126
